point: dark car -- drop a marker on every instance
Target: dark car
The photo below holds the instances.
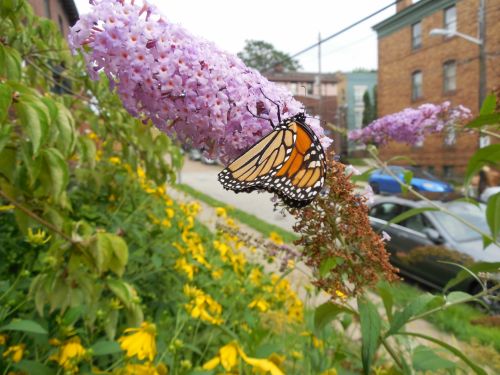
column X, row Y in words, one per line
column 382, row 182
column 420, row 242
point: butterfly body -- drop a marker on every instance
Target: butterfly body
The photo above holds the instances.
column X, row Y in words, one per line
column 289, row 161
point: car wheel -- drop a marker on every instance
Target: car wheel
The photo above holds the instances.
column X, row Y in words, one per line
column 375, row 187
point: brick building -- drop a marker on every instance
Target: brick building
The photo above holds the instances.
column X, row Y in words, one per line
column 416, row 67
column 318, row 95
column 63, row 12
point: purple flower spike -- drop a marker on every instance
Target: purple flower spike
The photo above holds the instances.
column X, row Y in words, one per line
column 411, row 125
column 185, row 85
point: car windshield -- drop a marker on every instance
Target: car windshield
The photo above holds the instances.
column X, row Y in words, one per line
column 456, row 229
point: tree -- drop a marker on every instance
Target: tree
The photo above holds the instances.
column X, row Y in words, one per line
column 368, row 110
column 263, row 56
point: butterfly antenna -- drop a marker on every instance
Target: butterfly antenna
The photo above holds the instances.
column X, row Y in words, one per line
column 272, row 101
column 263, row 118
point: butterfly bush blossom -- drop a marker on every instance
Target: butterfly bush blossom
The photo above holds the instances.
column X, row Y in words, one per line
column 187, row 87
column 411, row 125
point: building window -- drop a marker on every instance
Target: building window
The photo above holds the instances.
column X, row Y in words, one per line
column 450, row 19
column 416, row 35
column 448, row 171
column 449, row 76
column 47, row 9
column 416, row 85
column 309, row 88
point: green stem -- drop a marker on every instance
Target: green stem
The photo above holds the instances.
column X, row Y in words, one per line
column 431, row 203
column 490, row 133
column 37, row 218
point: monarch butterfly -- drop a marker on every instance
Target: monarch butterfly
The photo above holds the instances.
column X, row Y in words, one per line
column 289, row 161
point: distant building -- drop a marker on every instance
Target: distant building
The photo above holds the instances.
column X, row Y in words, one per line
column 319, row 94
column 63, row 12
column 351, row 89
column 416, row 67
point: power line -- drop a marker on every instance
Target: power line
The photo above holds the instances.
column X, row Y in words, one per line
column 333, row 35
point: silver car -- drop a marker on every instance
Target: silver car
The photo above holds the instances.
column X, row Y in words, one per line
column 420, row 242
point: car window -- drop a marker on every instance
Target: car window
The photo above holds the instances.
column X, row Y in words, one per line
column 386, row 211
column 418, row 223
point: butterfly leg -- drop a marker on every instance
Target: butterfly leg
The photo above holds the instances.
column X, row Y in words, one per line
column 263, row 118
column 272, row 101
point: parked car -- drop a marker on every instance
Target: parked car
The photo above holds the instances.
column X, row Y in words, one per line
column 420, row 242
column 382, row 182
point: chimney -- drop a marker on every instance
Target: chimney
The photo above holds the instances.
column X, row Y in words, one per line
column 402, row 4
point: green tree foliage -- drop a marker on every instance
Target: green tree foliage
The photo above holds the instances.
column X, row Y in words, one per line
column 368, row 111
column 264, row 57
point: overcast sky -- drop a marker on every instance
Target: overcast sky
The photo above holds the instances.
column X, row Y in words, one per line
column 290, row 25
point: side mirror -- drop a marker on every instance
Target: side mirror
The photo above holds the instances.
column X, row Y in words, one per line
column 433, row 235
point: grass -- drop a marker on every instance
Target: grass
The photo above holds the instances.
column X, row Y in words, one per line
column 455, row 319
column 243, row 217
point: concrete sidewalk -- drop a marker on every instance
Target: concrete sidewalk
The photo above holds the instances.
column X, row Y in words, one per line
column 204, row 179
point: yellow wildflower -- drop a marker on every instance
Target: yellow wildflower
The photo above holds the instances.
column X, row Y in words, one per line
column 260, row 304
column 114, row 160
column 140, row 341
column 170, row 212
column 276, row 238
column 40, row 237
column 182, row 265
column 221, row 212
column 15, row 352
column 70, row 353
column 340, row 294
column 6, row 208
column 3, row 339
column 112, row 198
column 202, row 306
column 255, row 276
column 330, row 371
column 54, row 342
column 217, row 274
column 228, row 359
column 317, row 343
column 142, row 369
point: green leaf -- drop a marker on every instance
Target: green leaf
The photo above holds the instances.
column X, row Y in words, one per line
column 5, row 132
column 325, row 313
column 489, row 105
column 493, row 214
column 370, row 332
column 34, row 121
column 58, row 173
column 426, row 359
column 484, row 156
column 327, row 265
column 110, row 253
column 415, row 307
column 478, row 370
column 66, row 136
column 483, row 120
column 10, row 63
column 471, row 271
column 122, row 291
column 5, row 101
column 28, row 326
column 105, row 348
column 457, row 297
column 385, row 293
column 33, row 367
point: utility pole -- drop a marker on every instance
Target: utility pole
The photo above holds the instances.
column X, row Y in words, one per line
column 320, row 98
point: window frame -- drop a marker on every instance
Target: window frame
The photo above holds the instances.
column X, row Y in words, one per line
column 414, row 74
column 414, row 38
column 446, row 22
column 446, row 65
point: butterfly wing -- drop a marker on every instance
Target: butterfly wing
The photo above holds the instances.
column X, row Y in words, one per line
column 302, row 176
column 256, row 167
column 289, row 162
